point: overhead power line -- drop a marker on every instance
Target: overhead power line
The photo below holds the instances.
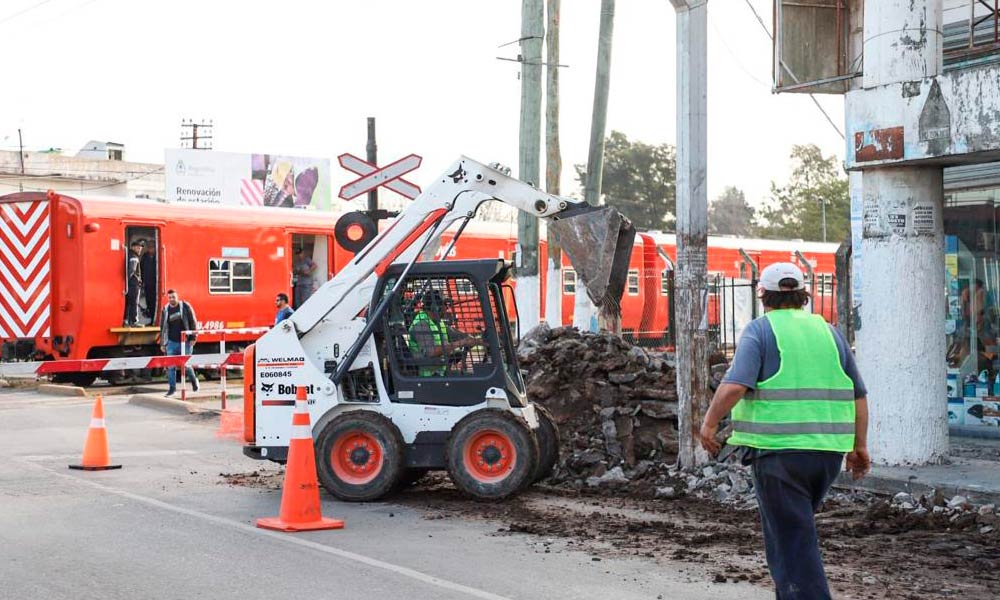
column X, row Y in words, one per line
column 22, row 11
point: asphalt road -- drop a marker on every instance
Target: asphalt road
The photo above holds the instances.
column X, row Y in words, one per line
column 167, row 526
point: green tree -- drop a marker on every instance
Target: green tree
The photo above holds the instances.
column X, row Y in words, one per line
column 638, row 180
column 730, row 214
column 795, row 209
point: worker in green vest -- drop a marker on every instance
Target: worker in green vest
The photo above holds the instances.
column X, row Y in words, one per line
column 798, row 407
column 431, row 337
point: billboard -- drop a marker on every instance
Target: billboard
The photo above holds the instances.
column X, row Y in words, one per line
column 227, row 178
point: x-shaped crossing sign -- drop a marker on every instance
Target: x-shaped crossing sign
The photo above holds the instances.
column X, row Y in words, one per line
column 372, row 176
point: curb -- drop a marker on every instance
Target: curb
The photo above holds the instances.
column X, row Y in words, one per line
column 170, row 405
column 61, row 390
column 890, row 486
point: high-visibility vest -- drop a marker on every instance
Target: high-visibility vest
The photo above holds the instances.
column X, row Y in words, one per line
column 809, row 403
column 440, row 336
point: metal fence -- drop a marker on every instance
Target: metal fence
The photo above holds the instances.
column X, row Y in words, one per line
column 730, row 304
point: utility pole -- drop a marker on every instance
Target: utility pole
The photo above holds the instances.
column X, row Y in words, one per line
column 553, row 161
column 692, row 226
column 822, row 202
column 532, row 35
column 583, row 316
column 197, row 136
column 372, row 156
column 20, row 157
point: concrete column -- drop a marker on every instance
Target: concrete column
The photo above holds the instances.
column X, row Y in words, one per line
column 901, row 341
column 902, row 41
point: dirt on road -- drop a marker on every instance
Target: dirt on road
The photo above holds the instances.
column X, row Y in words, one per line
column 871, row 549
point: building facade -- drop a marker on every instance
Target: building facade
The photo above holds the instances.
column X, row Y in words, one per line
column 98, row 169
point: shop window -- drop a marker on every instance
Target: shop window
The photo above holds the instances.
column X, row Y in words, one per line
column 569, row 281
column 228, row 276
column 632, row 283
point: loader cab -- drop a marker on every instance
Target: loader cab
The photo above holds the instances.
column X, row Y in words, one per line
column 445, row 338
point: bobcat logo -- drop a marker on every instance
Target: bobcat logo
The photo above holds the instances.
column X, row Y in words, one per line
column 266, row 387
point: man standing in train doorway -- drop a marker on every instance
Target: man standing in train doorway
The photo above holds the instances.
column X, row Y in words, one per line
column 798, row 407
column 177, row 317
column 133, row 281
column 147, row 266
column 303, row 268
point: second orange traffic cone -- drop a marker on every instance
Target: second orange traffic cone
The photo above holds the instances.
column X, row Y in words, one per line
column 95, row 450
column 300, row 508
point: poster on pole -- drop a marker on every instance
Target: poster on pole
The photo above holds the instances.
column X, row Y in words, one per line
column 234, row 179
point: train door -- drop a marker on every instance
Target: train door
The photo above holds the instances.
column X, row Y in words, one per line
column 144, row 241
column 311, row 264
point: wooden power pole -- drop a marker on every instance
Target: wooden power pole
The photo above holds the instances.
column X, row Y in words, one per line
column 692, row 225
column 553, row 162
column 611, row 319
column 532, row 35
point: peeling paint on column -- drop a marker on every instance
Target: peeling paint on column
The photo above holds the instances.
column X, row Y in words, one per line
column 878, row 144
column 935, row 122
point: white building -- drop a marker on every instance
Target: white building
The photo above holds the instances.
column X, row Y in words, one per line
column 98, row 168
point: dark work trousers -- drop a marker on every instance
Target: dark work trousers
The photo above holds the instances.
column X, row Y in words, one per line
column 132, row 303
column 149, row 291
column 790, row 488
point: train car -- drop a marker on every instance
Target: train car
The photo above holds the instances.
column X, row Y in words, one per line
column 63, row 260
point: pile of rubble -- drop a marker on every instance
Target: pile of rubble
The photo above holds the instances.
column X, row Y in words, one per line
column 615, row 404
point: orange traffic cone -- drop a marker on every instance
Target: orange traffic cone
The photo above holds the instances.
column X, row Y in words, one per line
column 300, row 508
column 95, row 449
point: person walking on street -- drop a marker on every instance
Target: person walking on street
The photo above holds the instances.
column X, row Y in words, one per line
column 303, row 268
column 798, row 407
column 284, row 311
column 147, row 266
column 177, row 316
column 133, row 281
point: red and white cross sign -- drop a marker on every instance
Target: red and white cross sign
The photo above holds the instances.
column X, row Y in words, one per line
column 391, row 176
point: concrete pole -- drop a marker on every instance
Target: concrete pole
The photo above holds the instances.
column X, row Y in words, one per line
column 584, row 312
column 900, row 339
column 532, row 33
column 692, row 225
column 553, row 162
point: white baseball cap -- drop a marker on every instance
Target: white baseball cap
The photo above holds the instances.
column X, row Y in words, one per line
column 771, row 276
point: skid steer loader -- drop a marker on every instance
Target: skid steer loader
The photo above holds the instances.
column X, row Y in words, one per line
column 411, row 366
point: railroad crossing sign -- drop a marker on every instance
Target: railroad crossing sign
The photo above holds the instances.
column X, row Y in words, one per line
column 391, row 176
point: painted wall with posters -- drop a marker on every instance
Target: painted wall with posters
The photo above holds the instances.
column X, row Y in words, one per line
column 210, row 177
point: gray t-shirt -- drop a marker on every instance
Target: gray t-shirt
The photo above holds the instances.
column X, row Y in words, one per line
column 757, row 357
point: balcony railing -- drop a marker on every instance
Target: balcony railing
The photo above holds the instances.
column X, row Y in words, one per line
column 971, row 31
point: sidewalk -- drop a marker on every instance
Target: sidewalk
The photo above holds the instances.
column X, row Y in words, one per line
column 973, row 471
column 208, row 398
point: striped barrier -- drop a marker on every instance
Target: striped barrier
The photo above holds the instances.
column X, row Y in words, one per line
column 91, row 365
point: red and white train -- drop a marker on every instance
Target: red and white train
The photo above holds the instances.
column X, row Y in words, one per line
column 62, row 270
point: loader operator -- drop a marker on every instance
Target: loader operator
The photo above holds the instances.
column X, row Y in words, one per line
column 806, row 410
column 431, row 337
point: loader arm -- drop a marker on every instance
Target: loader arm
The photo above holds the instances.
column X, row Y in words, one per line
column 598, row 240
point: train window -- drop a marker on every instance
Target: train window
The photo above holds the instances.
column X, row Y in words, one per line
column 664, row 284
column 633, row 282
column 226, row 276
column 569, row 281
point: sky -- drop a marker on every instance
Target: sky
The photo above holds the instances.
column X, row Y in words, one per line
column 300, row 77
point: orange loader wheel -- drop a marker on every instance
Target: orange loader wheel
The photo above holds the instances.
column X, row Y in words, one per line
column 359, row 456
column 491, row 455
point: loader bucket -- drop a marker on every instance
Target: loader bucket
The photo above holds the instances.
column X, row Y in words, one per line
column 598, row 241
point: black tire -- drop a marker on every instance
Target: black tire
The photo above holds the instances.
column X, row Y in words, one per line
column 77, row 379
column 504, row 442
column 547, row 436
column 376, row 452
